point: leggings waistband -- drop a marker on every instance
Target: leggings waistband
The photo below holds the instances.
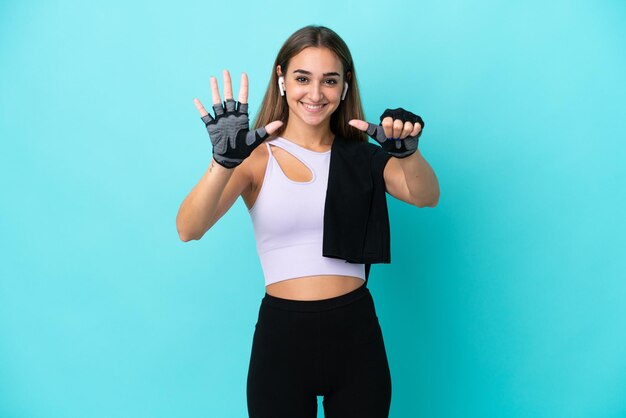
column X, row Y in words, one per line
column 316, row 305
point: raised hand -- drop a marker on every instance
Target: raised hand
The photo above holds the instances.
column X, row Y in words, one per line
column 230, row 131
column 398, row 133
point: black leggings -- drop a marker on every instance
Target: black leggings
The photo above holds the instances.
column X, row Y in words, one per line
column 331, row 347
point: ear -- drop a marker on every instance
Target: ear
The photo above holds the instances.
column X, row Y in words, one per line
column 348, row 75
column 279, row 70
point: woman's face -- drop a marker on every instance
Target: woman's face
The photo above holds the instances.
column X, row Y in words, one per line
column 313, row 85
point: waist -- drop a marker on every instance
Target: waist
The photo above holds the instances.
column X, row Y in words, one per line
column 318, row 304
column 311, row 288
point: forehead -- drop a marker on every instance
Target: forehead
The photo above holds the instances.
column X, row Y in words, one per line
column 316, row 60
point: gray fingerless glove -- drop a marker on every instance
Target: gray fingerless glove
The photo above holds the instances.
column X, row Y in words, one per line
column 230, row 133
column 399, row 148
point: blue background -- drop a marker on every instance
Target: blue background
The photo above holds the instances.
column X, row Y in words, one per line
column 506, row 300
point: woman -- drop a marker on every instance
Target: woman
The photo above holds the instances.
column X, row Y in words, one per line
column 318, row 222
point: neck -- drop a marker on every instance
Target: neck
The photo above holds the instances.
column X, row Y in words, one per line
column 309, row 136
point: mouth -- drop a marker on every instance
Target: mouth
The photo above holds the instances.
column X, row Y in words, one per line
column 313, row 108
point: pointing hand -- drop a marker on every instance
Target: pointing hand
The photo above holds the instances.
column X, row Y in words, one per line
column 398, row 133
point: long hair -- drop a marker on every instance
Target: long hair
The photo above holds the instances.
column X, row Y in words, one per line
column 274, row 106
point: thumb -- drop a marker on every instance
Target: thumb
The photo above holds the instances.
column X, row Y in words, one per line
column 273, row 126
column 359, row 124
column 376, row 132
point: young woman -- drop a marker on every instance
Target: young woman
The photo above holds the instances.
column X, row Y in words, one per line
column 315, row 190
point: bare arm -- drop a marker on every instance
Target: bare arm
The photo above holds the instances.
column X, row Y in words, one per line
column 412, row 180
column 196, row 213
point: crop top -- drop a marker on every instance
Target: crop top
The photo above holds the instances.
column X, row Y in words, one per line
column 288, row 219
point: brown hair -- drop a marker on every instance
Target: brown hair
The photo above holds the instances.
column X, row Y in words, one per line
column 274, row 106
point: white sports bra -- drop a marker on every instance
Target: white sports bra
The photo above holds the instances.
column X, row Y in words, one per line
column 288, row 219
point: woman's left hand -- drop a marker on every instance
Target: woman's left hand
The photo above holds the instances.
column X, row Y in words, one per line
column 398, row 132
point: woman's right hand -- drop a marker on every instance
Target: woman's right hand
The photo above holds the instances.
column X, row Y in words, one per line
column 230, row 131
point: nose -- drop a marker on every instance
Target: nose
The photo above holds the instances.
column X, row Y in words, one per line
column 315, row 93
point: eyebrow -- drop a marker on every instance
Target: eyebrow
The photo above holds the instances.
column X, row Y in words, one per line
column 309, row 73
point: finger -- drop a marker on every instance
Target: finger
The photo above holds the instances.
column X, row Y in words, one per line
column 207, row 119
column 388, row 126
column 377, row 132
column 230, row 105
column 242, row 107
column 374, row 131
column 218, row 109
column 273, row 126
column 215, row 91
column 243, row 89
column 228, row 85
column 416, row 129
column 406, row 131
column 359, row 124
column 200, row 108
column 397, row 128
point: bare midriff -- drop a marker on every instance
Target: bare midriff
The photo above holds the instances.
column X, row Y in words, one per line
column 314, row 287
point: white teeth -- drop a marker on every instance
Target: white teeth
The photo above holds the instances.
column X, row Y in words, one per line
column 312, row 107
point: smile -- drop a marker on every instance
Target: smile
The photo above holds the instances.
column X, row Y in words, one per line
column 313, row 108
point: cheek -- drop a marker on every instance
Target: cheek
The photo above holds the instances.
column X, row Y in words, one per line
column 296, row 90
column 334, row 93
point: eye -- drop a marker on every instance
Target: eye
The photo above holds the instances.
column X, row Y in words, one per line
column 331, row 81
column 301, row 79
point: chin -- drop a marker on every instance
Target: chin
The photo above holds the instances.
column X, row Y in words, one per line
column 313, row 120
